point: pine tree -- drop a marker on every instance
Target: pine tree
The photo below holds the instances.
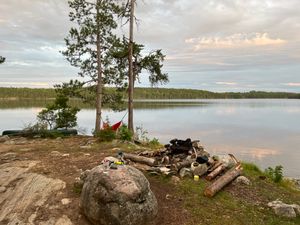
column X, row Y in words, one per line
column 88, row 44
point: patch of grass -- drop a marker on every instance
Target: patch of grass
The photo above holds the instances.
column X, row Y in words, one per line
column 225, row 208
column 229, row 207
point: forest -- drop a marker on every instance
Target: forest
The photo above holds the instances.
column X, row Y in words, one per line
column 152, row 93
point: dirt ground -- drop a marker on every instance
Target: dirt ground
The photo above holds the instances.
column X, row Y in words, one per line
column 66, row 158
column 179, row 204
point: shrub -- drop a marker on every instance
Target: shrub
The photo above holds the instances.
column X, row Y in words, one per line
column 106, row 135
column 124, row 133
column 275, row 174
column 154, row 143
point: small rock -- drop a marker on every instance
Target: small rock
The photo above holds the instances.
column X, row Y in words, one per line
column 78, row 184
column 9, row 142
column 87, row 154
column 175, row 180
column 65, row 201
column 86, row 147
column 25, row 149
column 285, row 211
column 55, row 153
column 64, row 220
column 66, row 155
column 84, row 175
column 21, row 141
column 2, row 189
column 168, row 196
column 185, row 172
column 282, row 209
column 296, row 208
column 9, row 156
column 242, row 180
column 4, row 138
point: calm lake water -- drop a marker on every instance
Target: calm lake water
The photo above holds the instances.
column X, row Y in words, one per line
column 266, row 132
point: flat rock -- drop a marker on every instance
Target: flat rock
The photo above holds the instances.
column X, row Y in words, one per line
column 4, row 138
column 25, row 191
column 8, row 156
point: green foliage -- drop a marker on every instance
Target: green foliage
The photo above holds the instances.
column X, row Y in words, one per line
column 59, row 114
column 124, row 133
column 251, row 167
column 276, row 174
column 154, row 143
column 152, row 63
column 88, row 44
column 106, row 135
column 2, row 59
column 39, row 129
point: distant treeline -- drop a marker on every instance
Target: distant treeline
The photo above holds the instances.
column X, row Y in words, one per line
column 152, row 93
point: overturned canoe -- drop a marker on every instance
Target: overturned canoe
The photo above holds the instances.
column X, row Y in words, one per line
column 64, row 132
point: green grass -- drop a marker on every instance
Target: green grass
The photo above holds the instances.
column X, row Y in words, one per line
column 236, row 204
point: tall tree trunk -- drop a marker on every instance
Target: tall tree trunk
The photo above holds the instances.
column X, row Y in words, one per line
column 99, row 82
column 130, row 74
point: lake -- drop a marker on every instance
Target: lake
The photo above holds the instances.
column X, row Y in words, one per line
column 266, row 132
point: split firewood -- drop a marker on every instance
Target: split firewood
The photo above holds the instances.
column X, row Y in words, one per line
column 216, row 172
column 214, row 166
column 140, row 159
column 228, row 177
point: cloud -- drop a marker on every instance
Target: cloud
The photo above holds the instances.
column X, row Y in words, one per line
column 226, row 83
column 238, row 40
column 292, row 84
column 25, row 84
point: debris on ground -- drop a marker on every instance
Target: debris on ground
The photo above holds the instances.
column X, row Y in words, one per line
column 186, row 158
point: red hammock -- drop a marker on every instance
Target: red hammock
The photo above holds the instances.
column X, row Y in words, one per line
column 114, row 127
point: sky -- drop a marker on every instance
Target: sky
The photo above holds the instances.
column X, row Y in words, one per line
column 215, row 45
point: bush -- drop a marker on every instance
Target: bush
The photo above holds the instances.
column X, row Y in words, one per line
column 106, row 135
column 275, row 174
column 124, row 133
column 154, row 143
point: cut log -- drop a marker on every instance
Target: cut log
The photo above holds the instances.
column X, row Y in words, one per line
column 228, row 177
column 140, row 159
column 214, row 166
column 216, row 172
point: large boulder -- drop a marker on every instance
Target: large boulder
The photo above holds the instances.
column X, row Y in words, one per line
column 117, row 196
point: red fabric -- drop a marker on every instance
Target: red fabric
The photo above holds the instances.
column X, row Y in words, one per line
column 116, row 126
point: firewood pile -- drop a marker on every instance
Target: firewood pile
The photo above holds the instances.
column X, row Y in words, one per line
column 187, row 158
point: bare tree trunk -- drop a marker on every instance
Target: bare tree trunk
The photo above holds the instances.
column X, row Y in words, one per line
column 130, row 74
column 99, row 83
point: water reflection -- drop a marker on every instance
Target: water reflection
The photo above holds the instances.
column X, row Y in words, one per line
column 265, row 132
